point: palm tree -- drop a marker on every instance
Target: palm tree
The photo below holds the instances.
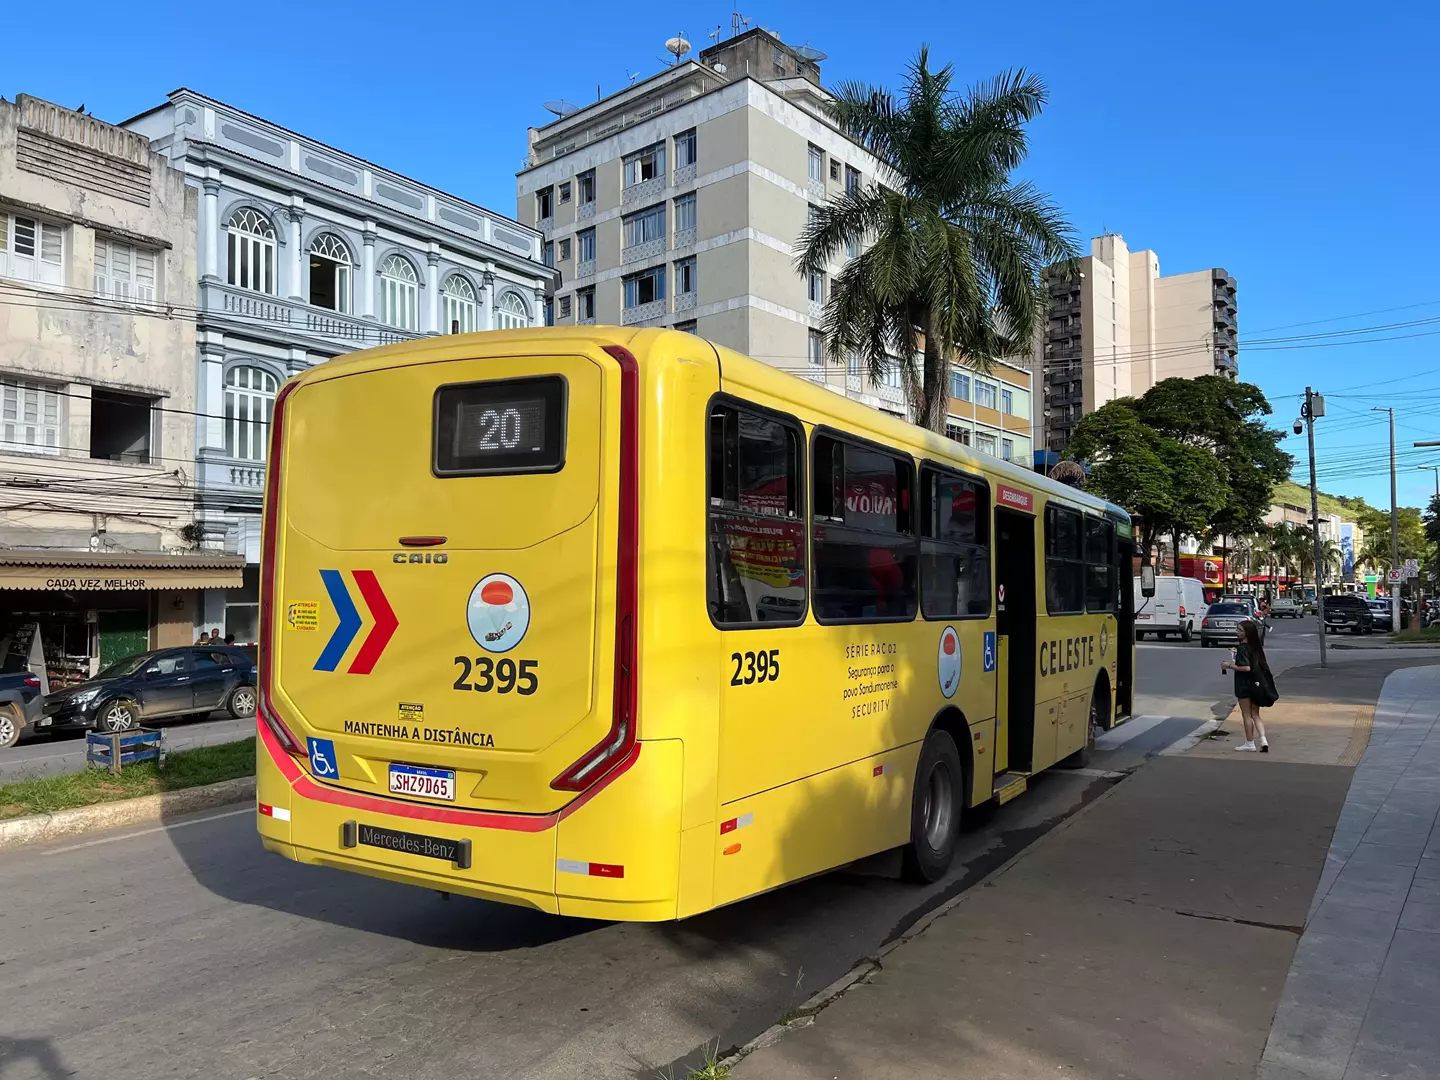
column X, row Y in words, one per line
column 1375, row 554
column 956, row 250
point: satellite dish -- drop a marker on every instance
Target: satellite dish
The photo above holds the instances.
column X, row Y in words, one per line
column 677, row 46
column 810, row 53
column 719, row 68
column 561, row 107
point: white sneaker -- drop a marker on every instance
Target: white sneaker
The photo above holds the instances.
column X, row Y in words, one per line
column 1246, row 746
column 1264, row 746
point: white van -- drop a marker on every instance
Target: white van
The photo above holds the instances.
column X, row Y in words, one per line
column 1177, row 607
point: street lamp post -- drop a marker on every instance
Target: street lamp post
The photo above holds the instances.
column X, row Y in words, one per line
column 1436, row 470
column 1394, row 526
column 1315, row 406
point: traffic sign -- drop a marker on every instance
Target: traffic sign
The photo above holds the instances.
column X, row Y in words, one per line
column 1394, row 577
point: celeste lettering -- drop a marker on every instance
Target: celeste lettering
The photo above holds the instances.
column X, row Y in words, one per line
column 1061, row 655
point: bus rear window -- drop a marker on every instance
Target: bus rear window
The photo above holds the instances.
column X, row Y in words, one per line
column 501, row 426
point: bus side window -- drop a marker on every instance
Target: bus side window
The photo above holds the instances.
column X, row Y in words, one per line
column 954, row 546
column 755, row 548
column 1064, row 562
column 1099, row 565
column 863, row 533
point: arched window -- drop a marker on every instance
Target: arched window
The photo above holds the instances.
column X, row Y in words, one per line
column 399, row 294
column 252, row 252
column 249, row 400
column 511, row 313
column 330, row 273
column 459, row 306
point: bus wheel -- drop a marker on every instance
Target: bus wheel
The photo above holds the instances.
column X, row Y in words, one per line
column 934, row 810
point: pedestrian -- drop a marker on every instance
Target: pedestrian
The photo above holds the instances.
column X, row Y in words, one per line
column 215, row 635
column 1248, row 664
column 229, row 639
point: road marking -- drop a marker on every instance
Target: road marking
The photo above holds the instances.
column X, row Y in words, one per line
column 1127, row 731
column 148, row 832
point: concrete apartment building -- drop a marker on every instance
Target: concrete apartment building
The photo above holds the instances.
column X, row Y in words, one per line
column 1117, row 327
column 306, row 252
column 97, row 395
column 678, row 202
column 993, row 412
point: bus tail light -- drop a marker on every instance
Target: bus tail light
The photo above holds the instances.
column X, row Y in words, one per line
column 620, row 740
column 268, row 569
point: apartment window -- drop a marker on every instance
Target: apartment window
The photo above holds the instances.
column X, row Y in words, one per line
column 548, row 315
column 511, row 313
column 852, row 247
column 647, row 164
column 811, row 213
column 755, row 554
column 121, row 426
column 985, row 443
column 685, row 149
column 985, row 393
column 545, row 203
column 249, row 400
column 647, row 225
column 777, row 59
column 586, row 239
column 547, row 253
column 586, row 180
column 958, row 434
column 834, row 169
column 685, row 216
column 1007, row 449
column 124, row 272
column 817, row 349
column 954, row 546
column 565, row 192
column 564, row 307
column 816, row 288
column 817, row 163
column 959, row 386
column 399, row 293
column 1100, row 591
column 863, row 533
column 31, row 249
column 1064, row 562
column 1007, row 401
column 565, row 250
column 459, row 297
column 687, row 327
column 330, row 273
column 685, row 280
column 252, row 252
column 645, row 287
column 29, row 417
column 852, row 180
column 585, row 303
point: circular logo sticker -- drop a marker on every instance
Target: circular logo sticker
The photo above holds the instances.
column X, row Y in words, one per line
column 1104, row 637
column 498, row 613
column 949, row 662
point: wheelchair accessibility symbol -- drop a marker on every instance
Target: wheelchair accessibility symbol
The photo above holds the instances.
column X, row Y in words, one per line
column 990, row 650
column 322, row 758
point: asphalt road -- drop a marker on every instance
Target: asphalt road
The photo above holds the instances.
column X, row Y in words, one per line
column 185, row 949
column 48, row 755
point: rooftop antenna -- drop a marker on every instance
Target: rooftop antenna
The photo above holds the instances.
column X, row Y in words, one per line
column 714, row 35
column 738, row 23
column 561, row 107
column 632, row 77
column 809, row 53
column 677, row 46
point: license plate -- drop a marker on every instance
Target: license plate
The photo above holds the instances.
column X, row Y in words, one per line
column 424, row 782
column 429, row 847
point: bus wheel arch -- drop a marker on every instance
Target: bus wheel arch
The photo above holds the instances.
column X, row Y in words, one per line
column 937, row 795
column 1104, row 718
column 952, row 721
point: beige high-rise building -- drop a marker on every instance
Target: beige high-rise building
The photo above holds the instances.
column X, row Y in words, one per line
column 1117, row 327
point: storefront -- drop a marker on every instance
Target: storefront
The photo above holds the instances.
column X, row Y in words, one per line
column 72, row 613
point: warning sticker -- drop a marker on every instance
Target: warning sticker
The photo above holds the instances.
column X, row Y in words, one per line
column 411, row 712
column 303, row 615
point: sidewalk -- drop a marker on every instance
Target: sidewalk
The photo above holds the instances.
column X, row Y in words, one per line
column 1152, row 935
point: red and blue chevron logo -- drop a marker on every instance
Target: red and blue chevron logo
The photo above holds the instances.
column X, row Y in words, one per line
column 382, row 629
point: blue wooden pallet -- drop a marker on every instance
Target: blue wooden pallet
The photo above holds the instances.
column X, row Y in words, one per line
column 115, row 750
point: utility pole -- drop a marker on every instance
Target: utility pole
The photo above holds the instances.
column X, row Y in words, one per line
column 1394, row 527
column 1436, row 470
column 1315, row 406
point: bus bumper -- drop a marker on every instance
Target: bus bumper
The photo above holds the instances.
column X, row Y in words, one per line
column 613, row 853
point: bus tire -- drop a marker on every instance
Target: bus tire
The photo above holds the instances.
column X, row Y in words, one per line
column 935, row 805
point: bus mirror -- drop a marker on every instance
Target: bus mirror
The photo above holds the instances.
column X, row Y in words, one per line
column 1147, row 581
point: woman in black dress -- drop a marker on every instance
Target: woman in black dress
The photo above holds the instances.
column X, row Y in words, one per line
column 1249, row 661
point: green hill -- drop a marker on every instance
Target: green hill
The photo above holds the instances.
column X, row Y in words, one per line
column 1295, row 495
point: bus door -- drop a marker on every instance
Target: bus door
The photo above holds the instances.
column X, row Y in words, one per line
column 1015, row 628
column 1124, row 628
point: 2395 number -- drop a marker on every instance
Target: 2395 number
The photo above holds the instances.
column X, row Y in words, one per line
column 753, row 667
column 502, row 677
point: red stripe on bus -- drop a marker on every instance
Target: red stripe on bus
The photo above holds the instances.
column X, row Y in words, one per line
column 600, row 869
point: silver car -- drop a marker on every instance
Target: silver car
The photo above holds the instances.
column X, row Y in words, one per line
column 1221, row 625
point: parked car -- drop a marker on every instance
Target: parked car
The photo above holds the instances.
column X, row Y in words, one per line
column 1176, row 608
column 1249, row 600
column 191, row 681
column 1381, row 616
column 1221, row 625
column 19, row 705
column 1348, row 611
column 1286, row 607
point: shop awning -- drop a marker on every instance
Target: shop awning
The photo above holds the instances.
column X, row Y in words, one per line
column 116, row 571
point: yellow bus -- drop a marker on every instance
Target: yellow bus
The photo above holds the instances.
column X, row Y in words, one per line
column 620, row 624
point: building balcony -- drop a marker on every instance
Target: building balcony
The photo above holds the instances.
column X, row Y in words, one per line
column 589, row 321
column 295, row 317
column 684, row 238
column 644, row 313
column 585, row 268
column 648, row 250
column 645, row 191
column 817, row 189
column 545, row 224
column 684, row 174
column 685, row 301
column 817, row 310
column 585, row 211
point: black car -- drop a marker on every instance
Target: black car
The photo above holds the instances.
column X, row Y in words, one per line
column 1348, row 612
column 195, row 680
column 19, row 705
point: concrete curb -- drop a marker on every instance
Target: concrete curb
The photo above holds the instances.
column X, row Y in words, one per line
column 21, row 832
column 805, row 1014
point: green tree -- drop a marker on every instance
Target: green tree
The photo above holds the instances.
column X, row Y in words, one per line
column 955, row 249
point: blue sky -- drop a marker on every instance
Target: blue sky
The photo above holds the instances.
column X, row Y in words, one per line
column 1294, row 145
